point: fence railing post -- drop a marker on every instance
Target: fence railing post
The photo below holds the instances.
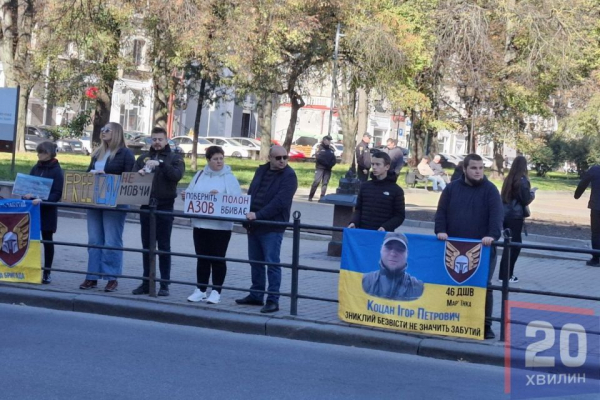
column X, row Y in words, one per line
column 152, row 250
column 505, row 278
column 295, row 263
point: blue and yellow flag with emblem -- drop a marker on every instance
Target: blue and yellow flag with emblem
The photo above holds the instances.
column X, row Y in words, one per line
column 20, row 256
column 414, row 283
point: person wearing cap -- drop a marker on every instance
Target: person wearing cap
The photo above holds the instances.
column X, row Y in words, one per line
column 380, row 202
column 362, row 158
column 325, row 161
column 392, row 281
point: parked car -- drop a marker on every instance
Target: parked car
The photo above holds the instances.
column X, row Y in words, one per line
column 249, row 142
column 186, row 143
column 305, row 141
column 143, row 143
column 295, row 155
column 35, row 135
column 86, row 141
column 449, row 160
column 232, row 148
column 487, row 161
column 70, row 145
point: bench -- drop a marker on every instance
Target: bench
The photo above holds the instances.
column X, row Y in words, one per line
column 413, row 177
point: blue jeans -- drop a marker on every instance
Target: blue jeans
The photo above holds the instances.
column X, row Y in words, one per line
column 265, row 247
column 105, row 228
column 437, row 180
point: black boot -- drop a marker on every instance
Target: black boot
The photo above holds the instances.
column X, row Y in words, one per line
column 142, row 289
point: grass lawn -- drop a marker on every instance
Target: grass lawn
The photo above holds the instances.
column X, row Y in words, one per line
column 244, row 171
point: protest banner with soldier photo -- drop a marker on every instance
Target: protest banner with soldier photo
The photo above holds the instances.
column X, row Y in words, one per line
column 413, row 283
column 20, row 255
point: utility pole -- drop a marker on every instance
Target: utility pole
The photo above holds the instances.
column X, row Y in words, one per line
column 334, row 77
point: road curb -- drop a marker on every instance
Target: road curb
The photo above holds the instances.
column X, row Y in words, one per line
column 284, row 327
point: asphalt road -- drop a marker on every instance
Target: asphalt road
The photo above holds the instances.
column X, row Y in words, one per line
column 48, row 354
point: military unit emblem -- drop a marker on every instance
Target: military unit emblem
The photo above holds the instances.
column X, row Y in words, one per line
column 462, row 259
column 14, row 237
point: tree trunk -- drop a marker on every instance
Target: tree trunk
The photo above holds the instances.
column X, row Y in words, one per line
column 417, row 142
column 194, row 155
column 498, row 164
column 363, row 111
column 161, row 100
column 297, row 103
column 265, row 124
column 101, row 112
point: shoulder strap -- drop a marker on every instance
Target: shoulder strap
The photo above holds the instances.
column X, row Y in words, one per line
column 199, row 175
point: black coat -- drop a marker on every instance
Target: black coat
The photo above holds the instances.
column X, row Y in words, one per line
column 362, row 155
column 325, row 157
column 121, row 162
column 470, row 212
column 515, row 209
column 380, row 203
column 397, row 159
column 279, row 195
column 166, row 176
column 50, row 169
column 592, row 176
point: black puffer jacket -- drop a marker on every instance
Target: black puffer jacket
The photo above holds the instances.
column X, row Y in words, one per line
column 515, row 209
column 325, row 157
column 166, row 176
column 380, row 204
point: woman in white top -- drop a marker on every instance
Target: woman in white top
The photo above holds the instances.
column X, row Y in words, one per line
column 211, row 237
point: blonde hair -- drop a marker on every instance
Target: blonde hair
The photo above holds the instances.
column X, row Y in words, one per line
column 117, row 140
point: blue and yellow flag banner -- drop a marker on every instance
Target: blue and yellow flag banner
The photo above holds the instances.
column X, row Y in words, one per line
column 20, row 256
column 425, row 285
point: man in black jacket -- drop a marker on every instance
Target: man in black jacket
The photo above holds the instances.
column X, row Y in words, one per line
column 362, row 158
column 592, row 176
column 471, row 208
column 325, row 160
column 380, row 203
column 168, row 168
column 396, row 156
column 272, row 190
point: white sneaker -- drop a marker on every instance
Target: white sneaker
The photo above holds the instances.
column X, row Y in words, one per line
column 214, row 297
column 197, row 296
column 513, row 279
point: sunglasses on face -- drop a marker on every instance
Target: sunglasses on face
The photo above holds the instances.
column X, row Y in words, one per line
column 105, row 130
column 279, row 158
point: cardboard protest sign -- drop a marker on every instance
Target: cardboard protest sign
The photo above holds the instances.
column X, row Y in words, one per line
column 135, row 188
column 217, row 205
column 86, row 188
column 36, row 186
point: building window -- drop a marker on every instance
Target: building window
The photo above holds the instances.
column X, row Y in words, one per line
column 377, row 137
column 131, row 107
column 138, row 52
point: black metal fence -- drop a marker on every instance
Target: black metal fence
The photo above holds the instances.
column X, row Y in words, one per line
column 296, row 228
